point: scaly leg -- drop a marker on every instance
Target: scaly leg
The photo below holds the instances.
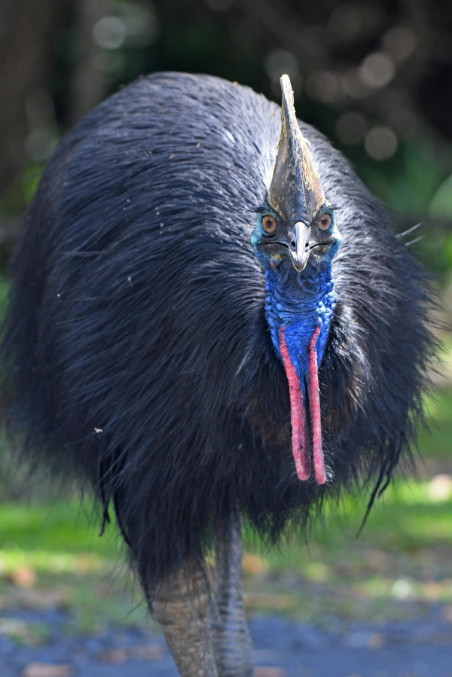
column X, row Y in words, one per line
column 182, row 607
column 207, row 634
column 230, row 636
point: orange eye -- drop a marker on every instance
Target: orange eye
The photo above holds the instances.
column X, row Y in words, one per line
column 269, row 224
column 325, row 221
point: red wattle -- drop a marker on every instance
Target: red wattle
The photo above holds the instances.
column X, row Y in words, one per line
column 300, row 442
column 314, row 406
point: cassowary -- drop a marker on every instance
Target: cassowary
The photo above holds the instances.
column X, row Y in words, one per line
column 210, row 319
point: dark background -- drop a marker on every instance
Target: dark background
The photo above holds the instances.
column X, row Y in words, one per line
column 375, row 76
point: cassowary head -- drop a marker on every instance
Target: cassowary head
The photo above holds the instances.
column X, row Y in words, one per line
column 296, row 240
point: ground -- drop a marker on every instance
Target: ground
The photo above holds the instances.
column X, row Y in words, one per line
column 282, row 648
column 377, row 606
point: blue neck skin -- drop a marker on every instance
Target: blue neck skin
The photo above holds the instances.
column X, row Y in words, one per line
column 300, row 302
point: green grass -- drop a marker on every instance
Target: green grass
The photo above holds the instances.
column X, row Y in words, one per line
column 52, row 556
column 437, row 441
column 53, row 527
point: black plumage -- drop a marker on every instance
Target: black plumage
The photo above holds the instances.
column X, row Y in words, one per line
column 138, row 347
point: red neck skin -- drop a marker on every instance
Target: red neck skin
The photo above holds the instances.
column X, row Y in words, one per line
column 300, row 439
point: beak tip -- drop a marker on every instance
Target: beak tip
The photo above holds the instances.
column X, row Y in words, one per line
column 299, row 265
column 300, row 253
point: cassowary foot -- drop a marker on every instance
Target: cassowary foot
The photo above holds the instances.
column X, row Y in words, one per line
column 230, row 635
column 182, row 608
column 204, row 624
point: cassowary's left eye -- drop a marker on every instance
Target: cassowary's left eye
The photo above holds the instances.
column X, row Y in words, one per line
column 269, row 224
column 325, row 221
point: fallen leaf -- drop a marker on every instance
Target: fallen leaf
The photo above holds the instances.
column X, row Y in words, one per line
column 253, row 564
column 23, row 577
column 149, row 653
column 47, row 670
column 377, row 641
column 43, row 598
column 267, row 671
column 432, row 590
column 115, row 655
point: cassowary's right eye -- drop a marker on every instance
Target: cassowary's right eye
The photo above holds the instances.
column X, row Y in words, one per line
column 269, row 224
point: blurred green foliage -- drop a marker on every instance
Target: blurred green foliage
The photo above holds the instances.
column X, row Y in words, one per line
column 99, row 46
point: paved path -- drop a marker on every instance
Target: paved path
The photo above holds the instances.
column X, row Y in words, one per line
column 420, row 648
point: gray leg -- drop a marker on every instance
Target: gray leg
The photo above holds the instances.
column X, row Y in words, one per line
column 182, row 607
column 230, row 636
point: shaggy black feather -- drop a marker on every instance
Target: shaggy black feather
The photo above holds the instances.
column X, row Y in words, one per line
column 138, row 349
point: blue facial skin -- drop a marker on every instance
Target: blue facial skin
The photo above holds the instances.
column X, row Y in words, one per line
column 299, row 301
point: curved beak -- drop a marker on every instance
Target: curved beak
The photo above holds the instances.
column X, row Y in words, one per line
column 299, row 245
